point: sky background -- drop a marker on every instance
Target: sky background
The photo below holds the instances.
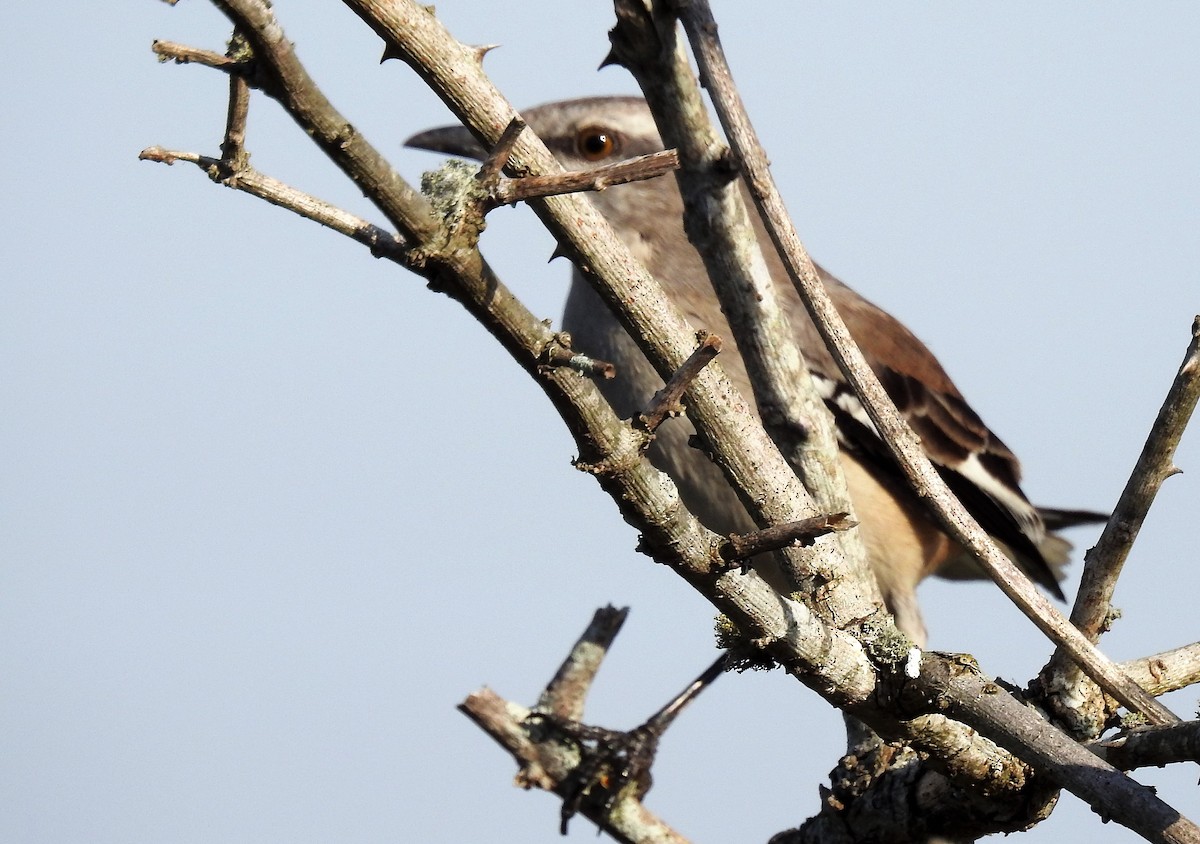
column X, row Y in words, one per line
column 269, row 508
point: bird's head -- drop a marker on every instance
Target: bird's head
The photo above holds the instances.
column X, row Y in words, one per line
column 583, row 134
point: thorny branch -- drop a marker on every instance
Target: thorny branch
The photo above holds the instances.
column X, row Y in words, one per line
column 824, row 657
column 738, row 444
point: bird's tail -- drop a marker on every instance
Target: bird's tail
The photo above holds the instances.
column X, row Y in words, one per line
column 1055, row 550
column 1056, row 519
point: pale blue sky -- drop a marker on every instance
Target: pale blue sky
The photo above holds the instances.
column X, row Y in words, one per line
column 270, row 508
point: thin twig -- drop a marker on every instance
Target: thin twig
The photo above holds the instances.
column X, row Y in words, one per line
column 663, row 718
column 1151, row 746
column 668, row 401
column 510, row 191
column 740, row 547
column 496, row 161
column 1103, row 563
column 233, row 146
column 558, row 353
column 279, row 73
column 382, row 243
column 170, row 51
column 566, row 693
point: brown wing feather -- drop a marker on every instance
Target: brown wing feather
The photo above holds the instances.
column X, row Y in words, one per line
column 975, row 463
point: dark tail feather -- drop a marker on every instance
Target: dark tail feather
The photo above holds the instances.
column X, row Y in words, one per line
column 1056, row 519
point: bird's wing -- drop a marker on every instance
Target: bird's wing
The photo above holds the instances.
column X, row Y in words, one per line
column 976, row 465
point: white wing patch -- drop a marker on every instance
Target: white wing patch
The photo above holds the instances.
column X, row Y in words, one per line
column 1025, row 514
column 842, row 397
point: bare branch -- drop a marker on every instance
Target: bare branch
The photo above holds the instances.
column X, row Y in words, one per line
column 975, row 699
column 616, row 764
column 833, row 660
column 822, row 656
column 382, row 243
column 566, row 693
column 886, row 793
column 170, row 51
column 1070, row 695
column 551, row 759
column 1167, row 671
column 1103, row 563
column 548, row 765
column 750, row 460
column 1151, row 746
column 742, row 547
column 510, row 191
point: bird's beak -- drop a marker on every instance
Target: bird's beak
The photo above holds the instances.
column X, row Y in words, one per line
column 452, row 140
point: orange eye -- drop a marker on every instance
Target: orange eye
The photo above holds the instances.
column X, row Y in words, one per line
column 594, row 143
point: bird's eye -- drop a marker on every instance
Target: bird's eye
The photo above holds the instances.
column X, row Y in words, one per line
column 594, row 143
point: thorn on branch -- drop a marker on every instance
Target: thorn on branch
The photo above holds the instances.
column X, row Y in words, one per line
column 738, row 548
column 481, row 50
column 666, row 402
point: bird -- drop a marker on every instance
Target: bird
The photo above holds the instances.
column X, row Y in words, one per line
column 904, row 543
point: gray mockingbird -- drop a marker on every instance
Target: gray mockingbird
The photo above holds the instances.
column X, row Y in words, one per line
column 903, row 541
